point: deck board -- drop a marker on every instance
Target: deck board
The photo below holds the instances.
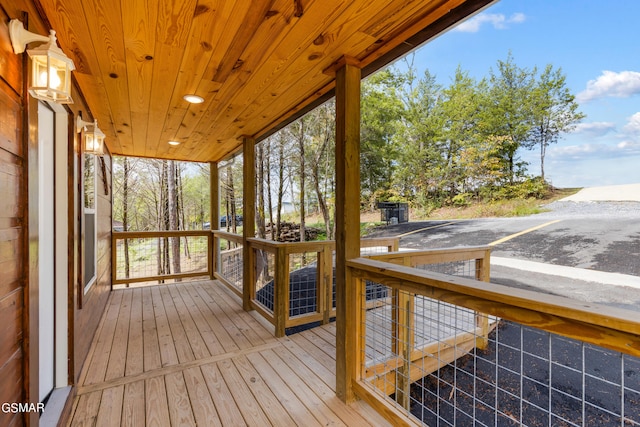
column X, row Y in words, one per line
column 133, row 413
column 151, row 345
column 187, row 354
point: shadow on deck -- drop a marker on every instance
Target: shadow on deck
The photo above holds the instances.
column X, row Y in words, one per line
column 187, row 354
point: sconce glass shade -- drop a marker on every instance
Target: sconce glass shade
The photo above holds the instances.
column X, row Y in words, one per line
column 50, row 67
column 51, row 72
column 92, row 137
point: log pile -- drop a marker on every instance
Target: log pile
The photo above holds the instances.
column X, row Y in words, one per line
column 290, row 232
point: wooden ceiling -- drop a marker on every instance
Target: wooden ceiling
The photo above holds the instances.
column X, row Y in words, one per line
column 258, row 64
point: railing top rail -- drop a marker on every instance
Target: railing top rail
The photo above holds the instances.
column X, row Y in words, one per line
column 449, row 254
column 377, row 241
column 166, row 233
column 227, row 235
column 291, row 247
column 510, row 303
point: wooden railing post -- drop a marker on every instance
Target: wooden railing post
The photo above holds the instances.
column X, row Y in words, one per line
column 248, row 212
column 281, row 291
column 347, row 158
column 210, row 256
column 483, row 273
column 114, row 259
column 214, row 216
column 402, row 343
column 325, row 279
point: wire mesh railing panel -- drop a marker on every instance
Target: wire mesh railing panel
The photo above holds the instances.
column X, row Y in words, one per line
column 371, row 250
column 303, row 283
column 155, row 257
column 530, row 377
column 231, row 262
column 265, row 275
column 406, row 333
column 465, row 268
column 431, row 360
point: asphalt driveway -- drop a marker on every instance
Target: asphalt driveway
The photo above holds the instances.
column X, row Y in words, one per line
column 584, row 249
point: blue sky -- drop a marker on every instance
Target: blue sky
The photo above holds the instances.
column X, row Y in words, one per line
column 597, row 45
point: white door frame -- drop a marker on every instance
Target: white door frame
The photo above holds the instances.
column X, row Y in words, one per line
column 46, row 251
column 62, row 249
column 53, row 235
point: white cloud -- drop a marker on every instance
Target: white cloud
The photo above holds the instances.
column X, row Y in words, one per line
column 611, row 84
column 633, row 126
column 595, row 151
column 595, row 129
column 497, row 20
column 630, row 147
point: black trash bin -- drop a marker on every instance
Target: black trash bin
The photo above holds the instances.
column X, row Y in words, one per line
column 393, row 212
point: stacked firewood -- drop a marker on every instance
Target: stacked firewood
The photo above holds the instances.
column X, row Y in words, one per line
column 290, row 232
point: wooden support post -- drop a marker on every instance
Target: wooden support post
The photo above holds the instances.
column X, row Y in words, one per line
column 403, row 339
column 214, row 217
column 248, row 213
column 325, row 277
column 347, row 225
column 482, row 320
column 281, row 292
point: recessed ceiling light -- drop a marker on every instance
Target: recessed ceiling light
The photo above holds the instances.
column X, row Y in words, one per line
column 194, row 99
column 174, row 143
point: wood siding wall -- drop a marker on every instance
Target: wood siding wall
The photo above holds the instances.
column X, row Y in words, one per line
column 18, row 269
column 93, row 302
column 12, row 228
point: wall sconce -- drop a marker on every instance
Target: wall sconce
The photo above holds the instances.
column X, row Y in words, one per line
column 50, row 67
column 92, row 137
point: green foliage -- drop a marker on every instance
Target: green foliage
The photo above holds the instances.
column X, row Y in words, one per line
column 462, row 199
column 531, row 188
column 455, row 144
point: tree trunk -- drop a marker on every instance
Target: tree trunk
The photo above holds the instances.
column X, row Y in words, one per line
column 280, row 185
column 315, row 175
column 231, row 213
column 181, row 219
column 173, row 215
column 543, row 149
column 269, row 198
column 125, row 214
column 164, row 201
column 302, row 180
column 260, row 192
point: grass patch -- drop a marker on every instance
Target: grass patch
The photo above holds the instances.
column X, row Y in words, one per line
column 368, row 227
column 501, row 208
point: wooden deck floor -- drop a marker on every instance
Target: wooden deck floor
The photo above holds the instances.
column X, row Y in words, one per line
column 187, row 354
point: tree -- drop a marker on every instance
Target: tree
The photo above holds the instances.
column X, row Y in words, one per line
column 458, row 109
column 299, row 129
column 125, row 212
column 173, row 214
column 418, row 136
column 260, row 181
column 555, row 111
column 381, row 110
column 508, row 111
column 322, row 136
column 282, row 141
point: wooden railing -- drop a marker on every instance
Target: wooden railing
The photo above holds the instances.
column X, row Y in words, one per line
column 310, row 265
column 228, row 259
column 472, row 262
column 150, row 255
column 605, row 327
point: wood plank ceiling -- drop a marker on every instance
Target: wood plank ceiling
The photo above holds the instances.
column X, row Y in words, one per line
column 257, row 63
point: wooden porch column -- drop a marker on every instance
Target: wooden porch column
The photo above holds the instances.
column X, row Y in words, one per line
column 347, row 221
column 214, row 212
column 248, row 215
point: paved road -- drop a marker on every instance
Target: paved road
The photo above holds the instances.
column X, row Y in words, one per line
column 595, row 246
